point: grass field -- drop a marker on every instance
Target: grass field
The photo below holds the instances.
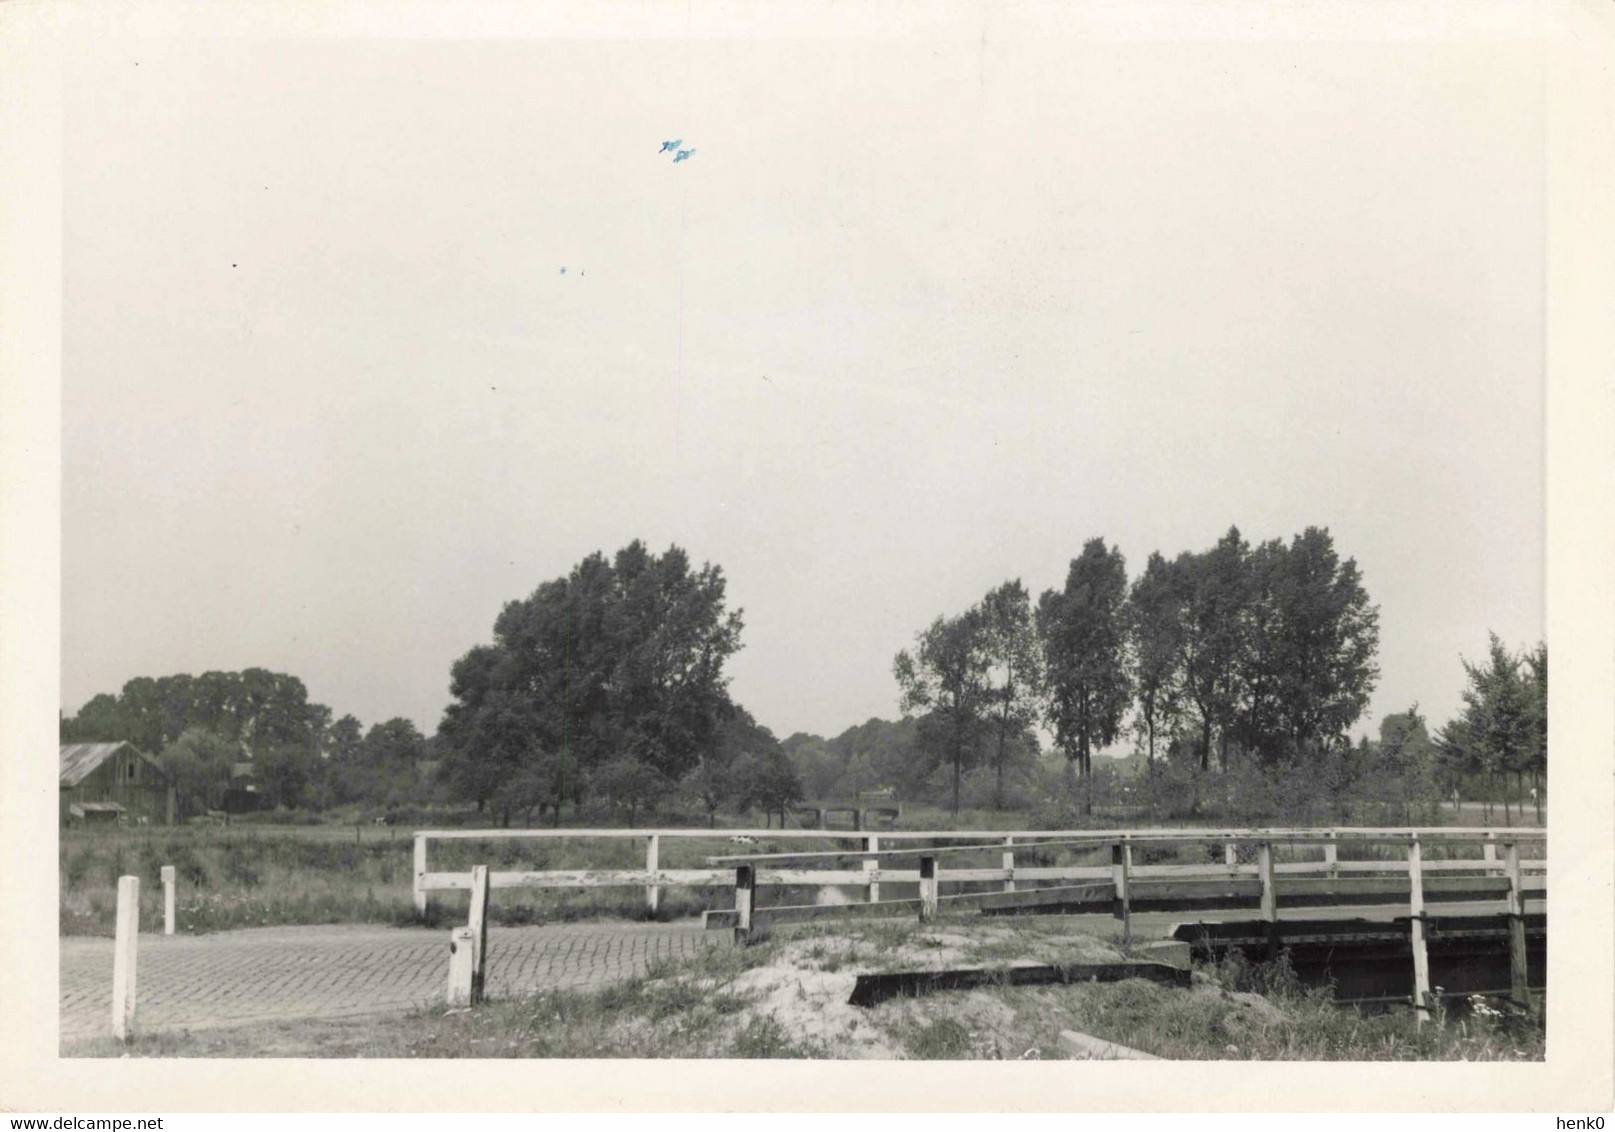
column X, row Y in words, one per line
column 786, row 998
column 258, row 873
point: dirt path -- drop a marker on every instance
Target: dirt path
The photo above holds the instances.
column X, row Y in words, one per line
column 262, row 974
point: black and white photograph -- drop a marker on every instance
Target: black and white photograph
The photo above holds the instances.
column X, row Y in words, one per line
column 967, row 533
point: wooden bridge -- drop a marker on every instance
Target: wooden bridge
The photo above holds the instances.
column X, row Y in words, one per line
column 1393, row 873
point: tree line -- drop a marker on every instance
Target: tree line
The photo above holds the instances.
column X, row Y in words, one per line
column 206, row 729
column 1237, row 671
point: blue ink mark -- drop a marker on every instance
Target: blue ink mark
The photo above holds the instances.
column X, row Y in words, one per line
column 683, row 155
column 674, row 144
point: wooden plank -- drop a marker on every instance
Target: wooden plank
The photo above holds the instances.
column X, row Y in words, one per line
column 1289, row 879
column 992, row 837
column 167, row 874
column 125, row 942
column 1076, row 895
column 477, row 922
column 1421, row 954
column 1008, row 860
column 1086, row 1047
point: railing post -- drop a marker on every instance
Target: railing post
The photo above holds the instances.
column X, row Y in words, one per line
column 477, row 922
column 1230, row 855
column 928, row 889
column 1270, row 894
column 1121, row 860
column 1519, row 974
column 420, row 873
column 872, row 845
column 168, row 899
column 462, row 966
column 124, row 953
column 653, row 856
column 1421, row 954
column 1009, row 864
column 745, row 894
column 1489, row 854
column 1331, row 854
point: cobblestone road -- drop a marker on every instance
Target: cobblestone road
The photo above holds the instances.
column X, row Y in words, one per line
column 261, row 974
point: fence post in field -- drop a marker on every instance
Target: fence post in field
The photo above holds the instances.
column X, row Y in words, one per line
column 1270, row 894
column 168, row 899
column 462, row 964
column 872, row 845
column 653, row 857
column 928, row 889
column 1421, row 953
column 123, row 958
column 1009, row 864
column 1331, row 854
column 1121, row 861
column 477, row 922
column 420, row 873
column 1519, row 976
column 745, row 892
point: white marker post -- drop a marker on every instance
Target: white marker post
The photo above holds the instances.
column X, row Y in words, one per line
column 462, row 966
column 123, row 958
column 168, row 899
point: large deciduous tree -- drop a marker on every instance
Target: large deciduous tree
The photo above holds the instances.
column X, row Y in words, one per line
column 1502, row 730
column 1084, row 640
column 619, row 659
column 1213, row 597
column 1155, row 633
column 1014, row 673
column 1329, row 639
column 944, row 681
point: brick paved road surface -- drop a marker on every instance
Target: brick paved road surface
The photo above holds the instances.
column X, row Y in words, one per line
column 260, row 974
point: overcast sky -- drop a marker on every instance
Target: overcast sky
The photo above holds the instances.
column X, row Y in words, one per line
column 364, row 340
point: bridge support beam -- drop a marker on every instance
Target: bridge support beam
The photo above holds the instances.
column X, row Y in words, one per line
column 1121, row 863
column 1421, row 953
column 745, row 893
column 1270, row 896
column 872, row 844
column 928, row 889
column 1519, row 976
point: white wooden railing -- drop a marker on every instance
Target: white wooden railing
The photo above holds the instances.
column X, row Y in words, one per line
column 872, row 872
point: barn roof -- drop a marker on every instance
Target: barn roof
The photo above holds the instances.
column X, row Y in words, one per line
column 79, row 760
